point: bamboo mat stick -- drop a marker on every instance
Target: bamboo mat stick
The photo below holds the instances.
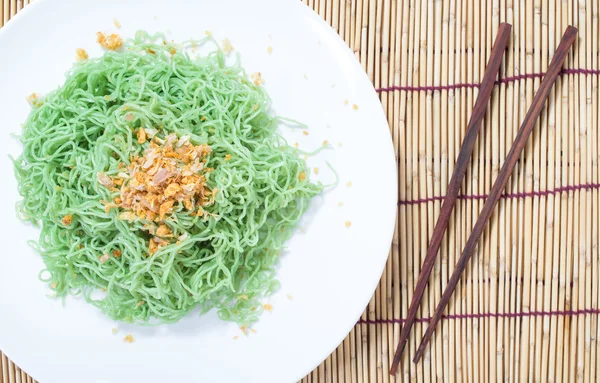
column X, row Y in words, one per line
column 556, row 328
column 580, row 202
column 341, row 371
column 569, row 227
column 352, row 23
column 455, row 237
column 478, row 30
column 462, row 76
column 363, row 33
column 375, row 21
column 576, row 169
column 11, row 372
column 414, row 124
column 488, row 147
column 348, row 21
column 4, row 365
column 344, row 15
column 427, row 163
column 595, row 329
column 441, row 171
column 512, row 227
column 368, row 57
column 401, row 108
column 569, row 180
column 354, row 362
column 421, row 145
column 484, row 171
column 504, row 245
column 406, row 164
column 424, row 158
column 551, row 254
column 522, row 226
column 468, row 186
column 394, row 292
column 590, row 131
column 334, row 15
column 374, row 59
column 439, row 138
column 346, row 361
column 518, row 145
column 334, row 367
column 342, row 20
column 386, row 14
column 591, row 163
column 388, row 54
column 539, row 140
column 588, row 194
column 6, row 12
column 493, row 135
column 527, row 220
column 447, row 167
column 331, row 368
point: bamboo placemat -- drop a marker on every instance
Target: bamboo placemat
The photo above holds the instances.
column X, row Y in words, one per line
column 527, row 307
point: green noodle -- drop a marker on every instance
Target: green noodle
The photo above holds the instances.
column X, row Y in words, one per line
column 227, row 260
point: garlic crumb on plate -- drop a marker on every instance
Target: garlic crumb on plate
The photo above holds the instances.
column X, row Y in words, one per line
column 129, row 338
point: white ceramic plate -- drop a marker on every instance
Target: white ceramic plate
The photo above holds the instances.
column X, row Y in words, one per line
column 330, row 271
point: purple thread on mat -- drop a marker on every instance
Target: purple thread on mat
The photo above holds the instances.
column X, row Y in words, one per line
column 490, row 315
column 541, row 193
column 505, row 80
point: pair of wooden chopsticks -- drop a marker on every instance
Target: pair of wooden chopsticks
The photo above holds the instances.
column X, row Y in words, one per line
column 485, row 91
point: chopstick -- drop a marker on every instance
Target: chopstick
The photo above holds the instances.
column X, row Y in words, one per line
column 513, row 156
column 485, row 92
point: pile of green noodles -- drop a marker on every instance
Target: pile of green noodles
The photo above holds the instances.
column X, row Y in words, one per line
column 227, row 260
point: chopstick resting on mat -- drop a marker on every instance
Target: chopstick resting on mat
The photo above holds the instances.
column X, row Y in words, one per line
column 513, row 156
column 485, row 91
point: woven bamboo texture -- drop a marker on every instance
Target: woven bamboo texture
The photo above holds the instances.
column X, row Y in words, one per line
column 527, row 307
